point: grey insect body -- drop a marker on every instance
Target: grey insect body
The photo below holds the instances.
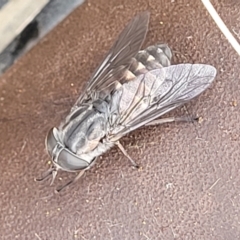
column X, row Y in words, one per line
column 130, row 89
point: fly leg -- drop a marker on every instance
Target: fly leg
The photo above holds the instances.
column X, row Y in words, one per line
column 71, row 182
column 171, row 119
column 155, row 122
column 76, row 178
column 46, row 174
column 126, row 154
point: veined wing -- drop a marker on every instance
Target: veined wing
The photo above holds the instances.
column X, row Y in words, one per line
column 155, row 93
column 119, row 57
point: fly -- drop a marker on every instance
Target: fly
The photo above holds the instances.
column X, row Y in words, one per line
column 131, row 88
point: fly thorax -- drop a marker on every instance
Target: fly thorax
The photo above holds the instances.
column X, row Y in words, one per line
column 85, row 129
column 101, row 148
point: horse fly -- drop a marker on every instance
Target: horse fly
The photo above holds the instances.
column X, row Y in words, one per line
column 129, row 89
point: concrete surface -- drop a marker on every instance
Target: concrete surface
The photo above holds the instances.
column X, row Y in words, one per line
column 188, row 183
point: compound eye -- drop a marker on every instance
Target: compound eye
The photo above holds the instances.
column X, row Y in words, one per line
column 50, row 142
column 70, row 162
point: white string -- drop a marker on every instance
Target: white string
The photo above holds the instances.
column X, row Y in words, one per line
column 221, row 25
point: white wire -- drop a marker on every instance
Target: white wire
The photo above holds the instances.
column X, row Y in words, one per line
column 221, row 25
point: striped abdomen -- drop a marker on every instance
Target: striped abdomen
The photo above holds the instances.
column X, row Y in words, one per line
column 153, row 57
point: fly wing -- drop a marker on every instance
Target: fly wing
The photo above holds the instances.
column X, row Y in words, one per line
column 157, row 92
column 118, row 59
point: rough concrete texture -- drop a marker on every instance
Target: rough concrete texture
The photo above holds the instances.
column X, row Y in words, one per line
column 188, row 183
